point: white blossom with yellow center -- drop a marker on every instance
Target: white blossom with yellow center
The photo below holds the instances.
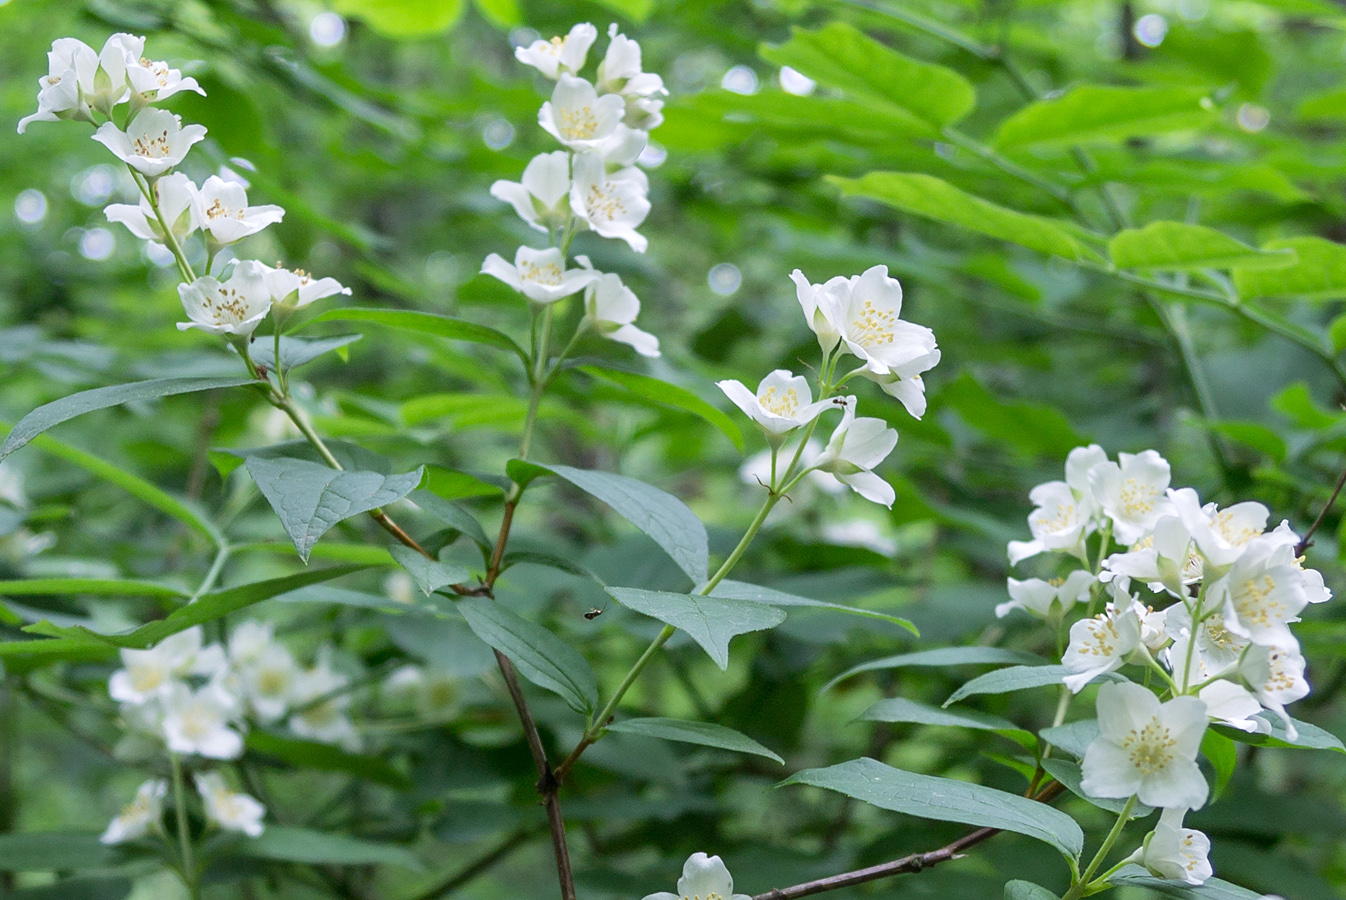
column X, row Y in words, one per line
column 1262, row 593
column 149, row 674
column 153, row 142
column 1146, row 748
column 1276, row 674
column 320, row 700
column 1042, row 598
column 1101, row 644
column 782, row 402
column 856, row 447
column 1061, row 520
column 62, row 93
column 154, row 80
column 561, row 54
column 579, row 118
column 703, row 878
column 232, row 307
column 540, row 275
column 198, row 722
column 866, row 312
column 610, row 308
column 1131, row 492
column 1220, row 534
column 230, row 810
column 177, row 197
column 612, row 205
column 1164, row 558
column 541, row 197
column 620, row 73
column 1174, row 852
column 139, row 817
column 292, row 289
column 224, row 213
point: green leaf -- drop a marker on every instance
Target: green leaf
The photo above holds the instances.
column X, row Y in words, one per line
column 323, row 848
column 1319, row 272
column 1336, row 333
column 1223, row 755
column 1015, row 678
column 106, row 587
column 551, row 561
column 703, row 733
column 1091, row 113
column 900, row 709
column 670, row 395
column 1182, row 247
column 53, row 851
column 1310, row 737
column 76, row 889
column 1212, row 889
column 660, row 515
column 500, row 13
column 636, row 10
column 325, row 758
column 22, row 655
column 710, row 621
column 310, row 498
column 430, row 575
column 1027, row 890
column 934, row 198
column 839, row 56
column 741, row 590
column 67, row 408
column 1074, row 738
column 451, row 514
column 1068, row 773
column 946, row 800
column 541, row 656
column 427, row 323
column 941, row 657
column 447, row 644
column 295, row 351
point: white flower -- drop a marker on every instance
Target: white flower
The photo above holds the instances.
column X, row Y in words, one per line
column 1216, row 652
column 579, row 118
column 110, row 84
column 756, row 469
column 1131, row 492
column 620, row 73
column 1233, row 705
column 1177, row 853
column 611, row 307
column 540, row 275
column 816, row 310
column 905, row 384
column 1047, row 598
column 176, row 195
column 561, row 54
column 154, row 141
column 320, row 701
column 782, row 403
column 1079, row 463
column 147, row 674
column 1146, row 748
column 249, row 641
column 138, row 817
column 232, row 307
column 1101, row 644
column 224, row 213
column 866, row 315
column 1061, row 521
column 435, row 693
column 1165, row 559
column 703, row 878
column 856, row 447
column 62, row 93
column 1277, row 675
column 155, row 80
column 622, row 149
column 198, row 722
column 1263, row 592
column 227, row 809
column 269, row 681
column 1220, row 534
column 294, row 288
column 539, row 197
column 612, row 205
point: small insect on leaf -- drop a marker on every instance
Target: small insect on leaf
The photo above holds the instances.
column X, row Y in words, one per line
column 593, row 614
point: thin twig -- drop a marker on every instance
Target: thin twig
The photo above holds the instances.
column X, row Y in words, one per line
column 1307, row 540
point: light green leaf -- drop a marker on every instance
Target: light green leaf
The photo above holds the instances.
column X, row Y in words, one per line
column 1091, row 113
column 934, row 198
column 839, row 56
column 426, row 323
column 500, row 13
column 636, row 10
column 1068, row 773
column 1310, row 737
column 1336, row 333
column 310, row 498
column 1074, row 738
column 296, row 352
column 710, row 621
column 900, row 709
column 703, row 733
column 540, row 656
column 1015, row 678
column 106, row 587
column 1179, row 246
column 53, row 851
column 941, row 657
column 430, row 575
column 451, row 514
column 1319, row 272
column 660, row 515
column 325, row 758
column 323, row 848
column 741, row 590
column 1026, row 890
column 670, row 395
column 946, row 800
column 67, row 408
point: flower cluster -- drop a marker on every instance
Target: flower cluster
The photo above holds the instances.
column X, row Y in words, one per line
column 85, row 86
column 591, row 185
column 1202, row 597
column 859, row 316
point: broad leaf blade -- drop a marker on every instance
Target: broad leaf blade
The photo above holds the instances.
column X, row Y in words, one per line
column 940, row 657
column 451, row 514
column 1178, row 246
column 1091, row 113
column 310, row 498
column 296, row 352
column 430, row 574
column 324, row 848
column 107, row 587
column 67, row 408
column 702, row 733
column 426, row 323
column 540, row 656
column 1026, row 890
column 710, row 621
column 1319, row 272
column 1014, row 678
column 946, row 800
column 741, row 590
column 53, row 851
column 1212, row 889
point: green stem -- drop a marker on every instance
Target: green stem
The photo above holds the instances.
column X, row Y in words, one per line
column 1079, row 889
column 189, row 873
column 1009, row 167
column 1191, row 638
column 170, row 239
column 286, row 405
column 213, row 573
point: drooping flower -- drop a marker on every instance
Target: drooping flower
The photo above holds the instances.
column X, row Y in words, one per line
column 540, row 198
column 703, row 878
column 756, row 469
column 1146, row 748
column 292, row 289
column 540, row 275
column 149, row 674
column 1046, row 599
column 140, row 816
column 153, row 142
column 560, row 55
column 905, row 384
column 856, row 447
column 233, row 307
column 1263, row 592
column 782, row 403
column 1220, row 534
column 198, row 721
column 579, row 118
column 1232, row 705
column 176, row 195
column 1101, row 644
column 230, row 810
column 1277, row 675
column 224, row 213
column 610, row 308
column 1177, row 853
column 613, row 205
column 816, row 310
column 63, row 92
column 1131, row 492
column 620, row 73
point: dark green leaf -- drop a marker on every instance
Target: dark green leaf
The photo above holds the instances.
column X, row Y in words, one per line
column 741, row 590
column 1213, row 889
column 941, row 657
column 53, row 851
column 1026, row 890
column 703, row 733
column 670, row 395
column 325, row 758
column 1015, row 678
column 1074, row 738
column 324, row 848
column 451, row 514
column 430, row 574
column 710, row 621
column 297, row 351
column 900, row 709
